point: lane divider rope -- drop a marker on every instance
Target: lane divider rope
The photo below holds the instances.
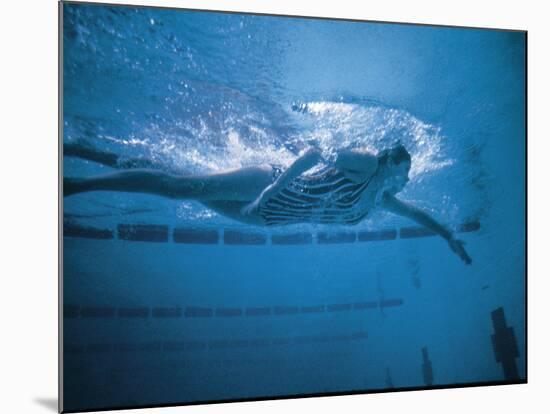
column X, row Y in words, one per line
column 215, row 344
column 159, row 233
column 142, row 312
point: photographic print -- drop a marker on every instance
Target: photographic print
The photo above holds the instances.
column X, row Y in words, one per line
column 259, row 206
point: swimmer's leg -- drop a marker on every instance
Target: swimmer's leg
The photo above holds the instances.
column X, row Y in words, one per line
column 244, row 184
column 79, row 149
column 82, row 150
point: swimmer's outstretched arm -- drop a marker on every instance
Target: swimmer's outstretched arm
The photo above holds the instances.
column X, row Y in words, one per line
column 302, row 164
column 396, row 206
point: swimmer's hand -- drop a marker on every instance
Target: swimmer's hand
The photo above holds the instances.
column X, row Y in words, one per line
column 457, row 246
column 254, row 206
column 251, row 208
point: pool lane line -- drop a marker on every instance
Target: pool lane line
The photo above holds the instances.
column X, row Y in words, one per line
column 158, row 312
column 159, row 233
column 211, row 344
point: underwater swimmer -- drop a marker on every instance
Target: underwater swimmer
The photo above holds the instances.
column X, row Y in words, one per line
column 341, row 192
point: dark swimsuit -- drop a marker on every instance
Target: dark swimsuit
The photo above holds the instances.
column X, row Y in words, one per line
column 325, row 196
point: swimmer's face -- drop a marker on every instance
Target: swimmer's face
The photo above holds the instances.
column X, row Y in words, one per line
column 397, row 176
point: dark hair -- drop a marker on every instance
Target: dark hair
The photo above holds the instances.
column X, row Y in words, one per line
column 398, row 154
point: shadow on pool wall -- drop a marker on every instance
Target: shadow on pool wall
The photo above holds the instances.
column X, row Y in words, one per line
column 166, row 303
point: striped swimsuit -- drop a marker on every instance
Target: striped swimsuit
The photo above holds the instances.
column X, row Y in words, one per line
column 325, row 196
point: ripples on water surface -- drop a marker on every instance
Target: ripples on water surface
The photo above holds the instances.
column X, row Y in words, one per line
column 206, row 92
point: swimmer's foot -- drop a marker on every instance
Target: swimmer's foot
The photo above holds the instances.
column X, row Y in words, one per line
column 83, row 149
column 74, row 147
column 72, row 186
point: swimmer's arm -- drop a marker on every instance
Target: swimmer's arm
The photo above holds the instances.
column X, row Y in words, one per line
column 306, row 161
column 358, row 165
column 396, row 206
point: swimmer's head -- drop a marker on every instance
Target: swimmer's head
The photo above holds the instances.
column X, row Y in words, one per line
column 394, row 165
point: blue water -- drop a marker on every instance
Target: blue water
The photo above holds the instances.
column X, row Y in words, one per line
column 199, row 92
